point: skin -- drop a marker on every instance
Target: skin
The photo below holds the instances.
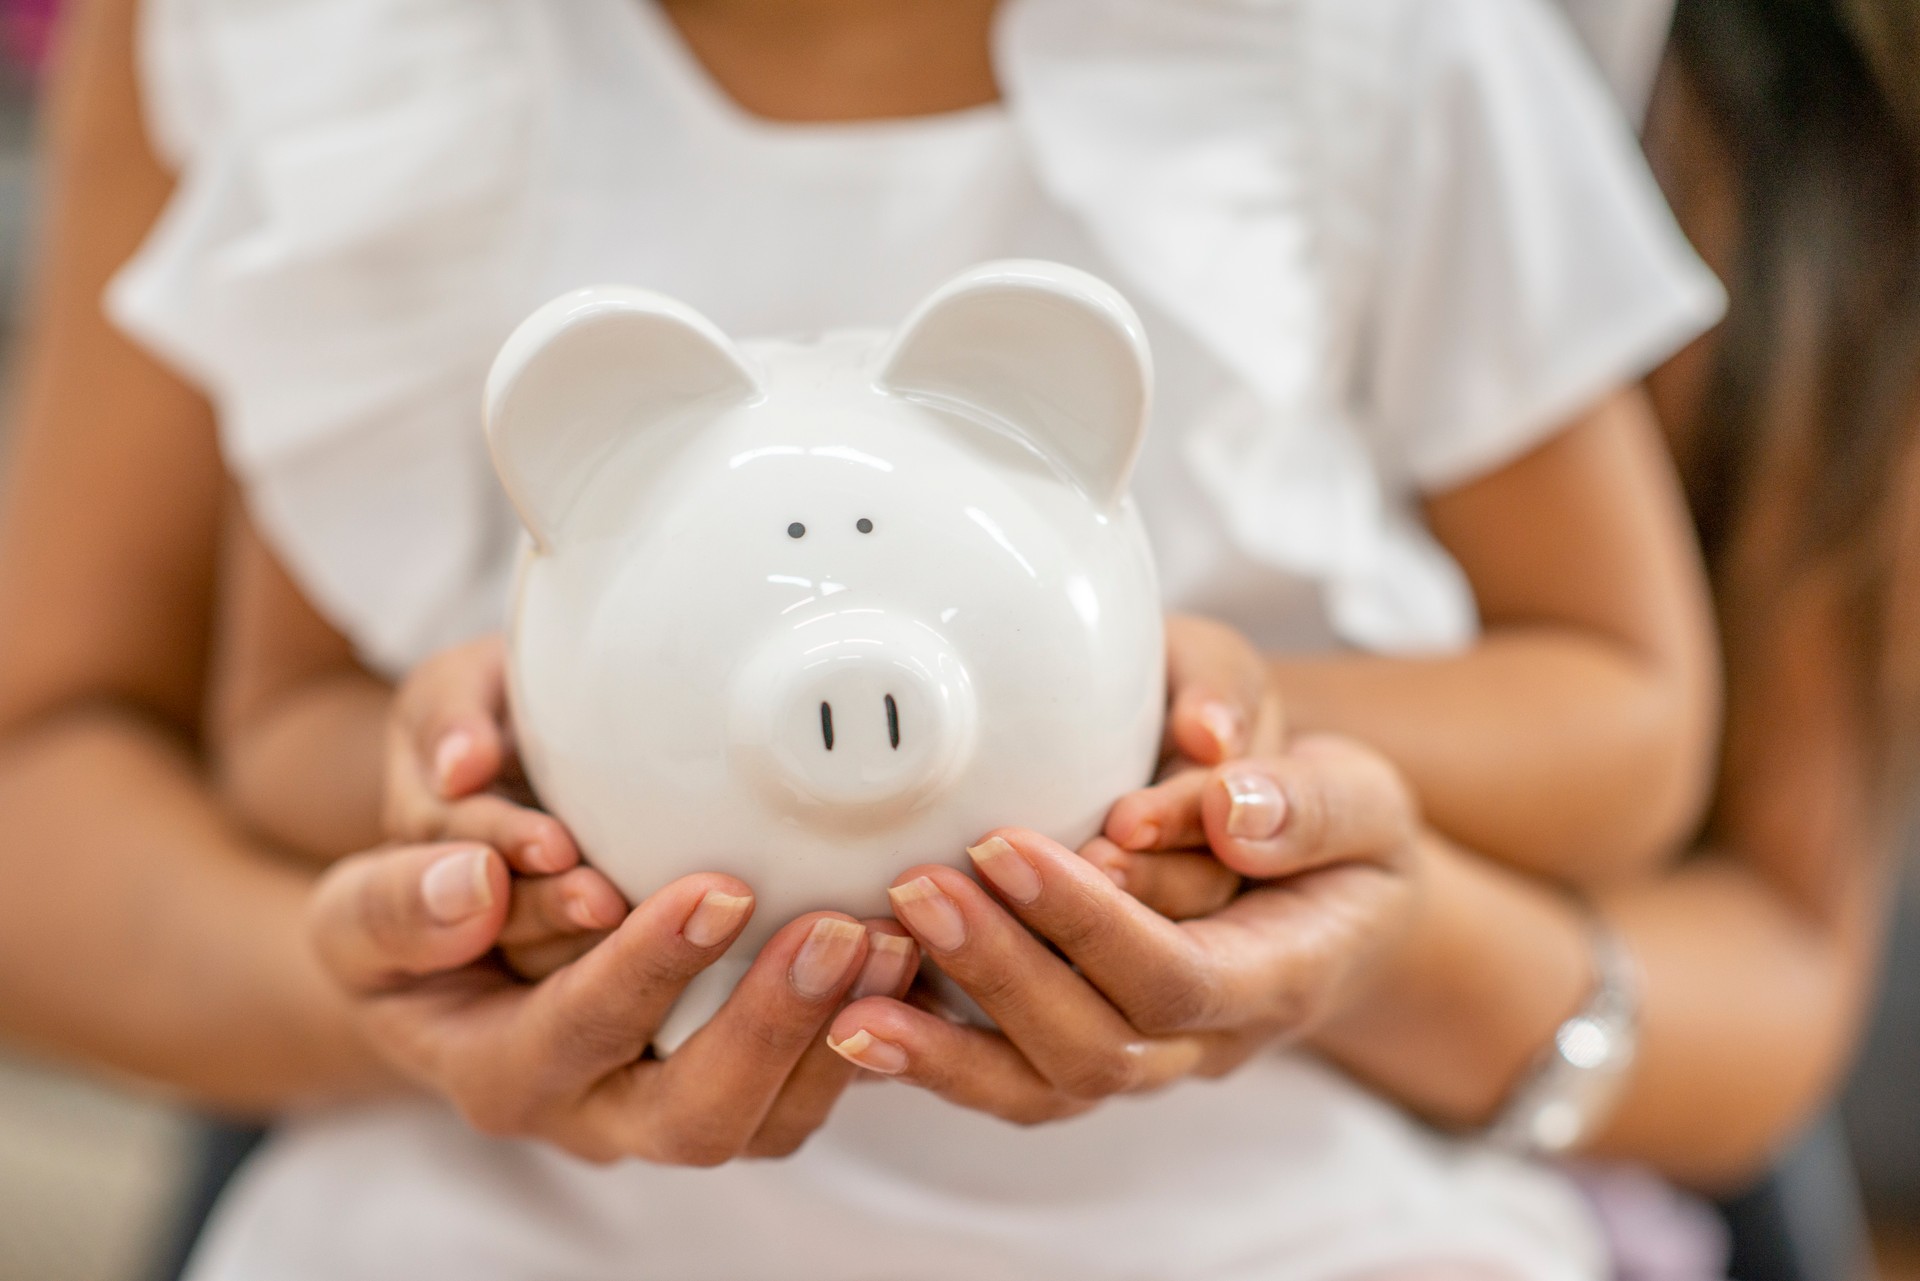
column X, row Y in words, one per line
column 191, row 970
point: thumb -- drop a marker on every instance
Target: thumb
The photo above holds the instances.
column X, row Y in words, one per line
column 388, row 915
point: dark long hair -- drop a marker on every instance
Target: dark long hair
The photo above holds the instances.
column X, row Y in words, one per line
column 1804, row 467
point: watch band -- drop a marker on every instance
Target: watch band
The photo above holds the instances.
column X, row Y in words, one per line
column 1575, row 1084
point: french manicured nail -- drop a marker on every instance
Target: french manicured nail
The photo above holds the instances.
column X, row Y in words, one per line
column 1010, row 873
column 864, row 1049
column 1256, row 806
column 923, row 908
column 717, row 916
column 1223, row 725
column 447, row 757
column 889, row 956
column 456, row 888
column 823, row 960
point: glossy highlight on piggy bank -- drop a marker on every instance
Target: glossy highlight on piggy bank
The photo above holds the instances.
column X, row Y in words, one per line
column 812, row 612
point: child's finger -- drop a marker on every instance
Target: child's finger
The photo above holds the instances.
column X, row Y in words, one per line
column 544, row 908
column 532, row 842
column 531, row 962
column 451, row 710
column 1165, row 816
column 1218, row 695
column 1178, row 884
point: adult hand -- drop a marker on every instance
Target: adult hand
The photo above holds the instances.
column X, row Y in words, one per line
column 1133, row 1000
column 407, row 931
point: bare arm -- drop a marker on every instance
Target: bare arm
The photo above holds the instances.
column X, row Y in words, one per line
column 138, row 930
column 1576, row 739
column 1758, row 958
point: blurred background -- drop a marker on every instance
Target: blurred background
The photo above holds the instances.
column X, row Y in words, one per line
column 95, row 1181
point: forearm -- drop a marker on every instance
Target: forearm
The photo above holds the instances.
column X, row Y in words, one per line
column 140, row 935
column 305, row 770
column 1739, row 1040
column 1551, row 751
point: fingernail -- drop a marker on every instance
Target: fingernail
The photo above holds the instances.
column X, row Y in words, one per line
column 1145, row 837
column 864, row 1049
column 1257, row 806
column 1116, row 872
column 1220, row 722
column 447, row 757
column 823, row 959
column 889, row 956
column 923, row 908
column 1010, row 873
column 535, row 856
column 716, row 916
column 456, row 888
column 581, row 913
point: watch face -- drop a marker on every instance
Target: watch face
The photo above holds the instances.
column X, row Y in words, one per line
column 1584, row 1042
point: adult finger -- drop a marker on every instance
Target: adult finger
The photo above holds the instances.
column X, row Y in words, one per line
column 601, row 1012
column 1178, row 884
column 706, row 1102
column 817, row 1081
column 1288, row 954
column 1150, row 969
column 381, row 917
column 1059, row 1022
column 970, row 1067
column 1327, row 801
column 1271, row 958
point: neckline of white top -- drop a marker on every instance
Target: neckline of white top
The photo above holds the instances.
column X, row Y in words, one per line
column 709, row 103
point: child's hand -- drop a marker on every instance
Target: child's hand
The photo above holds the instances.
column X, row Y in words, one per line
column 1221, row 705
column 453, row 775
column 1221, row 701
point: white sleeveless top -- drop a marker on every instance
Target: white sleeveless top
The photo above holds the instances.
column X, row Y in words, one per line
column 1380, row 246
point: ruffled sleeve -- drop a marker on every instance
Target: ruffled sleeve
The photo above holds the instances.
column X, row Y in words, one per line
column 1315, row 189
column 348, row 243
column 1530, row 263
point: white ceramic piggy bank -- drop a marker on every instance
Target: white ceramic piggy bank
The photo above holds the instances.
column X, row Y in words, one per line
column 812, row 612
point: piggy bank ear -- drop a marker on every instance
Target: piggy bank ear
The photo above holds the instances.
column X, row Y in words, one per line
column 587, row 370
column 1047, row 351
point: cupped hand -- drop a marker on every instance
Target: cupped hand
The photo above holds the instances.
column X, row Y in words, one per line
column 1133, row 1000
column 407, row 931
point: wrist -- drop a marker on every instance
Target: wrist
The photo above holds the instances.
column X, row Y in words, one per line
column 1453, row 1016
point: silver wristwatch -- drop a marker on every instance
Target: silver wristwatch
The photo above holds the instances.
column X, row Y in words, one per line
column 1574, row 1086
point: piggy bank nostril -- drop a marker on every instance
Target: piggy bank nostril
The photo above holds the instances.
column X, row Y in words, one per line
column 826, row 724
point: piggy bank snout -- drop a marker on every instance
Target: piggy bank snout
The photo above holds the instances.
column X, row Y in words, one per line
column 871, row 712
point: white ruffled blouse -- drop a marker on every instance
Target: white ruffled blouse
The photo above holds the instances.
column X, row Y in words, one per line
column 1383, row 247
column 1380, row 246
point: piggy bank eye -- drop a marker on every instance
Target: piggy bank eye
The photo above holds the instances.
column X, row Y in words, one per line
column 796, row 530
column 864, row 525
